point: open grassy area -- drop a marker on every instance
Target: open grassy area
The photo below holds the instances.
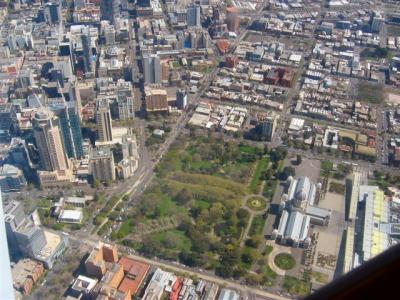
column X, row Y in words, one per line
column 284, row 261
column 295, row 286
column 370, row 92
column 255, row 183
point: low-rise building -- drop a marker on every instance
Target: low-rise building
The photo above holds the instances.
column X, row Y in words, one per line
column 26, row 273
column 70, row 216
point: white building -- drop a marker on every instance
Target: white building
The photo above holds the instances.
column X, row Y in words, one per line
column 71, row 216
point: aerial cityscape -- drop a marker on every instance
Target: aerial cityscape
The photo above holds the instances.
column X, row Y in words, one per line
column 196, row 149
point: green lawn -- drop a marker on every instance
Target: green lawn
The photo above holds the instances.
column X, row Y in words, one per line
column 256, row 180
column 173, row 240
column 167, row 207
column 248, row 149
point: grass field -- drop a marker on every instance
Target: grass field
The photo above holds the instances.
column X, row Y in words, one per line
column 255, row 182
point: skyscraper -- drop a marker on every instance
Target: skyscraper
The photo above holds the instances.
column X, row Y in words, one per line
column 193, row 15
column 267, row 127
column 87, row 50
column 232, row 19
column 181, row 98
column 152, row 68
column 110, row 10
column 102, row 164
column 103, row 121
column 52, row 12
column 47, row 135
column 70, row 128
column 6, row 286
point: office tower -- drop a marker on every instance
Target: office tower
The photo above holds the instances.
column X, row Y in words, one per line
column 110, row 10
column 125, row 107
column 47, row 135
column 87, row 50
column 14, row 218
column 216, row 15
column 152, row 68
column 143, row 3
column 103, row 121
column 109, row 35
column 193, row 15
column 79, row 4
column 25, row 79
column 129, row 146
column 102, row 164
column 6, row 111
column 165, row 70
column 267, row 127
column 52, row 12
column 377, row 21
column 181, row 98
column 70, row 128
column 30, row 240
column 156, row 100
column 6, row 286
column 232, row 19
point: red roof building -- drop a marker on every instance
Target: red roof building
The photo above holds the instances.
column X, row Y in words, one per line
column 223, row 46
column 135, row 273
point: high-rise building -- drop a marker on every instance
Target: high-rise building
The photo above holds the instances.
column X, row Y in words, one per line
column 103, row 121
column 109, row 35
column 110, row 10
column 6, row 286
column 87, row 50
column 152, row 70
column 126, row 110
column 129, row 146
column 52, row 12
column 267, row 127
column 181, row 98
column 30, row 240
column 70, row 124
column 193, row 15
column 14, row 217
column 102, row 164
column 377, row 21
column 143, row 3
column 232, row 19
column 46, row 131
column 156, row 99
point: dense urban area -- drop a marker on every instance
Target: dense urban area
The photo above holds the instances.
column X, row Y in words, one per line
column 195, row 149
